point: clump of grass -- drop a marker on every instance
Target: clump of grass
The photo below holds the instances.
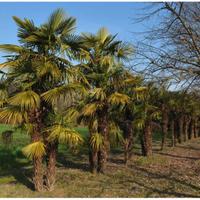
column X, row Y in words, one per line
column 151, row 160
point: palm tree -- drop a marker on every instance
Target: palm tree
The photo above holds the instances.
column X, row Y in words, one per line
column 41, row 75
column 124, row 116
column 145, row 115
column 100, row 63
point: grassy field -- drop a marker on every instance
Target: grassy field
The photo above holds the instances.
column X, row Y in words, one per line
column 170, row 173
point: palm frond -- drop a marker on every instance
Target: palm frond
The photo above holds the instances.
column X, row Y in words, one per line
column 12, row 115
column 90, row 108
column 52, row 96
column 34, row 150
column 98, row 94
column 26, row 100
column 10, row 48
column 118, row 98
column 64, row 135
column 96, row 141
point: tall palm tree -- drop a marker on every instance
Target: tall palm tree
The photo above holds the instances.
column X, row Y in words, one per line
column 41, row 75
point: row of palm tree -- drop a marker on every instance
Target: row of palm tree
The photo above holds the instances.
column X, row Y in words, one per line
column 55, row 78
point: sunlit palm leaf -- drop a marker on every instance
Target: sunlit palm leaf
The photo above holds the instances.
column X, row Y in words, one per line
column 52, row 96
column 64, row 135
column 12, row 115
column 96, row 141
column 34, row 150
column 118, row 98
column 26, row 100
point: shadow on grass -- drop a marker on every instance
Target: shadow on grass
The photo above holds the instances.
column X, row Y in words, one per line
column 177, row 156
column 167, row 191
column 167, row 178
column 11, row 166
column 68, row 161
column 189, row 148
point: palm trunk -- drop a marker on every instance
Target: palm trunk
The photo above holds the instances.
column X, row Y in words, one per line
column 37, row 169
column 195, row 127
column 185, row 127
column 172, row 133
column 93, row 160
column 198, row 128
column 92, row 152
column 147, row 139
column 51, row 165
column 164, row 127
column 35, row 119
column 191, row 129
column 180, row 128
column 176, row 131
column 103, row 152
column 128, row 144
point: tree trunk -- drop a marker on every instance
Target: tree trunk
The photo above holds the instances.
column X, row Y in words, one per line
column 128, row 141
column 92, row 152
column 176, row 131
column 185, row 128
column 198, row 128
column 51, row 165
column 37, row 168
column 172, row 133
column 142, row 144
column 147, row 139
column 180, row 128
column 103, row 152
column 191, row 129
column 36, row 121
column 164, row 126
column 93, row 160
column 195, row 127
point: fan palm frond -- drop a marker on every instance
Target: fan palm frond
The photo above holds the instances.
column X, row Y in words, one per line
column 12, row 115
column 64, row 135
column 96, row 141
column 118, row 98
column 98, row 94
column 26, row 100
column 34, row 150
column 52, row 96
column 90, row 108
column 10, row 48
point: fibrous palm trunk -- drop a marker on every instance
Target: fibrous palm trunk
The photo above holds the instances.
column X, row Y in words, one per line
column 51, row 165
column 186, row 127
column 195, row 127
column 104, row 150
column 147, row 139
column 36, row 121
column 128, row 141
column 93, row 160
column 164, row 127
column 180, row 128
column 176, row 131
column 172, row 133
column 191, row 128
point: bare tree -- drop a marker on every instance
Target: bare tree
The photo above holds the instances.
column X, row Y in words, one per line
column 171, row 49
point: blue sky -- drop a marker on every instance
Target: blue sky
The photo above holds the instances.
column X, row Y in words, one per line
column 117, row 17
